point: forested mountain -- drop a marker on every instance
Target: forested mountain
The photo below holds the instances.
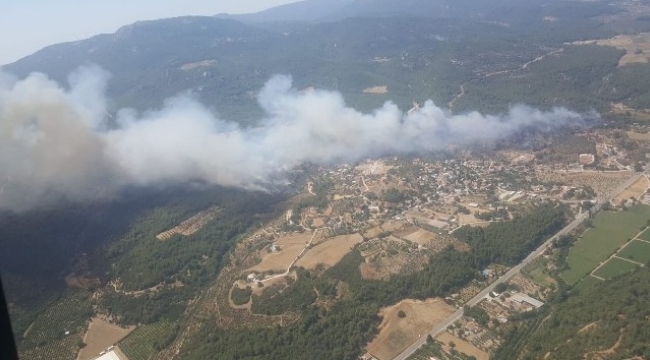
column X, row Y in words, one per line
column 226, row 62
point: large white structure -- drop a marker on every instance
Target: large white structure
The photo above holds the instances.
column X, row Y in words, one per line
column 109, row 355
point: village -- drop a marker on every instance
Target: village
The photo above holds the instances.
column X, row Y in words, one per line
column 398, row 212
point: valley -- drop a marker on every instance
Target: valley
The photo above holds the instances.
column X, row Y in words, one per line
column 360, row 221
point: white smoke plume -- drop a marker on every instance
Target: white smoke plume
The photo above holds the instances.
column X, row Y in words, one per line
column 55, row 142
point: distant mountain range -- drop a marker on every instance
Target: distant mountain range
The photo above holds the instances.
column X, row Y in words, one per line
column 343, row 45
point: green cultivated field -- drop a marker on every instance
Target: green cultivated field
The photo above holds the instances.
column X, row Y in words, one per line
column 636, row 250
column 645, row 235
column 140, row 344
column 611, row 230
column 615, row 267
column 586, row 282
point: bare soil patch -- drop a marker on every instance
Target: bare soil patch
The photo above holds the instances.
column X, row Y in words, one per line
column 378, row 90
column 100, row 335
column 463, row 346
column 422, row 237
column 290, row 246
column 377, row 167
column 394, row 225
column 373, row 232
column 396, row 334
column 588, row 327
column 329, row 252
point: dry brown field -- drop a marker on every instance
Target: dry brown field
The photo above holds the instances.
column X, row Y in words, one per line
column 463, row 346
column 637, row 189
column 637, row 47
column 100, row 335
column 290, row 246
column 638, row 136
column 373, row 232
column 422, row 237
column 329, row 252
column 376, row 90
column 396, row 334
column 394, row 225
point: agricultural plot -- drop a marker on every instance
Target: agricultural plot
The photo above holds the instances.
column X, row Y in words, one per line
column 51, row 330
column 645, row 235
column 635, row 190
column 289, row 248
column 100, row 335
column 140, row 344
column 637, row 47
column 191, row 225
column 462, row 346
column 397, row 332
column 63, row 349
column 614, row 267
column 611, row 230
column 329, row 252
column 636, row 250
column 435, row 350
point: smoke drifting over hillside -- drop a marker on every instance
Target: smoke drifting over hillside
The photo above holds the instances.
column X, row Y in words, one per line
column 55, row 142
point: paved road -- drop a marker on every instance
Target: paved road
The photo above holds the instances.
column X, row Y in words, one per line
column 513, row 271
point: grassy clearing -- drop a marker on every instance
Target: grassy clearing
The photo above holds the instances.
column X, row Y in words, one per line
column 615, row 267
column 142, row 343
column 636, row 250
column 611, row 230
column 539, row 273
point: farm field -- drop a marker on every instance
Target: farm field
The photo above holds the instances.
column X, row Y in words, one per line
column 64, row 349
column 638, row 188
column 645, row 235
column 329, row 252
column 100, row 335
column 47, row 339
column 613, row 267
column 636, row 250
column 435, row 350
column 463, row 346
column 611, row 230
column 140, row 344
column 290, row 247
column 422, row 237
column 396, row 334
column 637, row 47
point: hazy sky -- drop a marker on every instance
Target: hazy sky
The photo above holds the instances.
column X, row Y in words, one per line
column 29, row 25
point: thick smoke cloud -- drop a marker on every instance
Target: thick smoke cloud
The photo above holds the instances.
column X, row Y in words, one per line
column 55, row 142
